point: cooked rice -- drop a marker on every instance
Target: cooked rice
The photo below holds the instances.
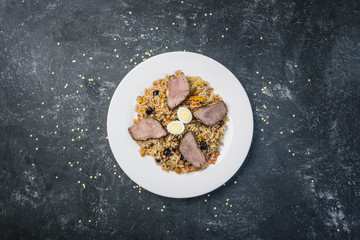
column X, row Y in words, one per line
column 212, row 135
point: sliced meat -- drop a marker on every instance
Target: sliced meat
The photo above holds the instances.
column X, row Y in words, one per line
column 178, row 90
column 190, row 150
column 211, row 114
column 146, row 129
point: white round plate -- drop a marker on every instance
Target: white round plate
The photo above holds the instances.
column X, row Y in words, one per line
column 143, row 170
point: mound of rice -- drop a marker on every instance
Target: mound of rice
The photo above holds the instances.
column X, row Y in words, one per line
column 201, row 95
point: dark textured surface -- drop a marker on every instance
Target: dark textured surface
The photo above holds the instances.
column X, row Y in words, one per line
column 301, row 178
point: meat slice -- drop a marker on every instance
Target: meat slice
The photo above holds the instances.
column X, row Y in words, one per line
column 146, row 129
column 211, row 114
column 190, row 150
column 178, row 90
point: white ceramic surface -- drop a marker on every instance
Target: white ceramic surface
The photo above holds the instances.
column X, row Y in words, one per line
column 143, row 170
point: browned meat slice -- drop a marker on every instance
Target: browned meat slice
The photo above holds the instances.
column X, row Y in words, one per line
column 178, row 90
column 211, row 114
column 190, row 150
column 146, row 129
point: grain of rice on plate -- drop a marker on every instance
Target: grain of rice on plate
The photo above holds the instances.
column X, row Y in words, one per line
column 201, row 95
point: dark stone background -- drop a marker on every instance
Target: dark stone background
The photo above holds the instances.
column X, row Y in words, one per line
column 301, row 184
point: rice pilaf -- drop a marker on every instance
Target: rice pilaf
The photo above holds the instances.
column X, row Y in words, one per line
column 201, row 95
